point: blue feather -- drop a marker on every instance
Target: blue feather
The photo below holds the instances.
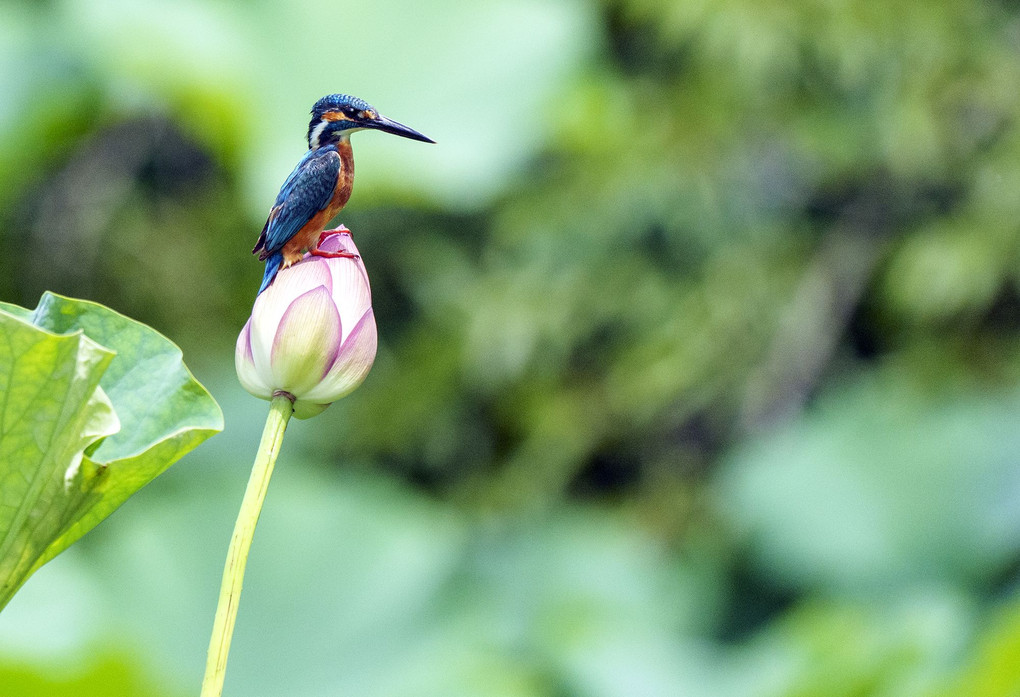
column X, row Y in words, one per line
column 307, row 191
column 272, row 267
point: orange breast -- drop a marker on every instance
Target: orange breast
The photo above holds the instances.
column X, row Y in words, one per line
column 307, row 237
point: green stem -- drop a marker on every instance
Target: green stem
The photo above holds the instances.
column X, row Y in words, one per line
column 280, row 410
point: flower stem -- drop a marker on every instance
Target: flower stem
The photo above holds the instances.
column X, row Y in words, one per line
column 280, row 410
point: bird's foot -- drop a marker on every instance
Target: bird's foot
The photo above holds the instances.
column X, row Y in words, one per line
column 316, row 252
column 338, row 230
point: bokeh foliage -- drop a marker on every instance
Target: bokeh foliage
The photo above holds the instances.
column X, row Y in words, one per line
column 699, row 338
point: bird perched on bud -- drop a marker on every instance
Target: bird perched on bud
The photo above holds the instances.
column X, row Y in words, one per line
column 312, row 333
column 321, row 183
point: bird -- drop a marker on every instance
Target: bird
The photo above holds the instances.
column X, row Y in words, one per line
column 321, row 183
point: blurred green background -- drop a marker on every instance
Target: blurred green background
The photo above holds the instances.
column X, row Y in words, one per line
column 699, row 369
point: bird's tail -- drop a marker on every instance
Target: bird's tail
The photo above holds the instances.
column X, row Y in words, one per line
column 272, row 266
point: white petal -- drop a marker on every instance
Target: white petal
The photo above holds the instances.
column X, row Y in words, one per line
column 273, row 302
column 307, row 342
column 248, row 376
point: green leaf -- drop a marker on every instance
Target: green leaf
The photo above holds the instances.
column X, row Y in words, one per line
column 94, row 406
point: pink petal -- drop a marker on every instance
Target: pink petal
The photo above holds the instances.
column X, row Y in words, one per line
column 272, row 303
column 244, row 363
column 336, row 242
column 352, row 362
column 244, row 343
column 351, row 290
column 303, row 276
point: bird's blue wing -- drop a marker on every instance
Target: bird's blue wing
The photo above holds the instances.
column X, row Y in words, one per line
column 307, row 191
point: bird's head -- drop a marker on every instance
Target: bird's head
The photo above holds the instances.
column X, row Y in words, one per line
column 338, row 115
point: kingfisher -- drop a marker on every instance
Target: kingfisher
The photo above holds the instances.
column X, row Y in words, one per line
column 321, row 183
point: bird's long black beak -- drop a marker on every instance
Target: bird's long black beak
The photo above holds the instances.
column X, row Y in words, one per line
column 382, row 123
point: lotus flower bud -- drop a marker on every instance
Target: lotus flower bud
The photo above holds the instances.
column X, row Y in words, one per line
column 312, row 332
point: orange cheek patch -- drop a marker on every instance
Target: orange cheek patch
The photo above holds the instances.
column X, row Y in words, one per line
column 334, row 116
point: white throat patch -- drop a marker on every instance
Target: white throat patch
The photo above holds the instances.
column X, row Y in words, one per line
column 313, row 140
